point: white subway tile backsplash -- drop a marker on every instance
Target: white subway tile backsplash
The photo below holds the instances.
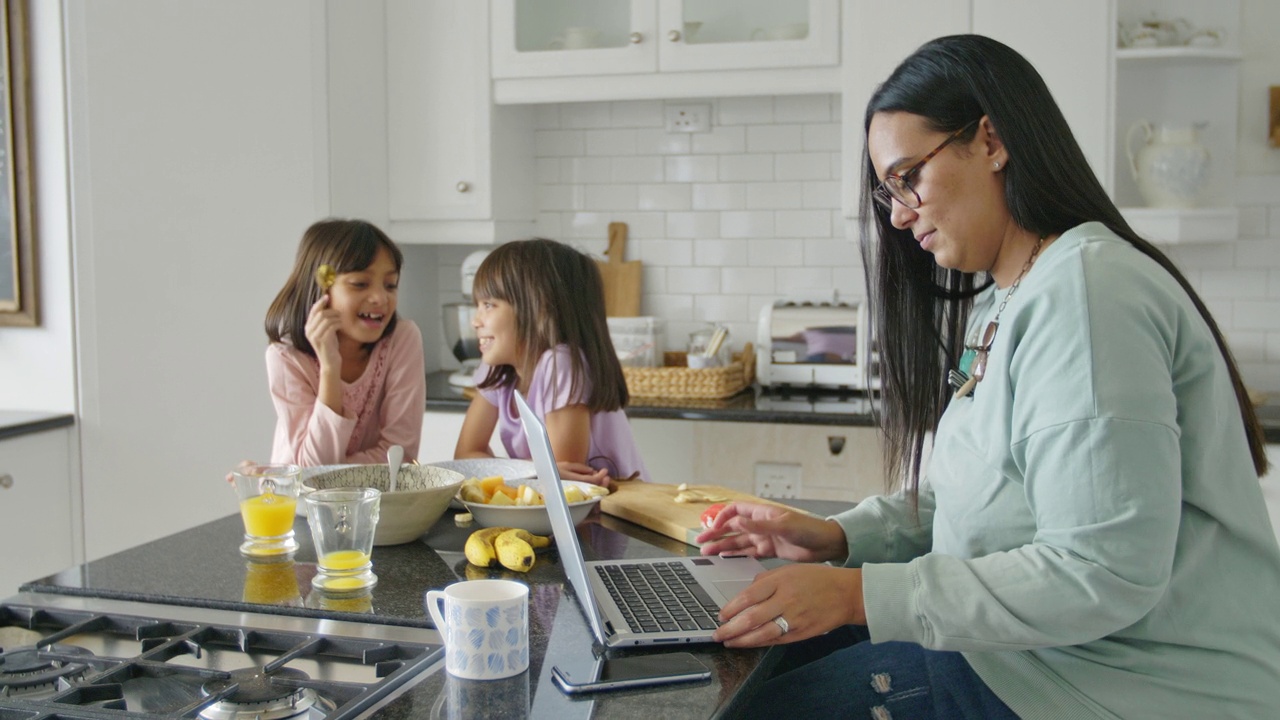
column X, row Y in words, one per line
column 559, row 143
column 775, row 196
column 803, row 108
column 693, row 280
column 586, row 225
column 673, row 308
column 1248, row 346
column 775, row 138
column 665, row 197
column 720, row 141
column 721, row 308
column 1273, row 347
column 562, row 197
column 746, row 281
column 547, row 225
column 639, row 169
column 746, row 168
column 546, row 117
column 803, row 282
column 642, row 225
column 611, row 142
column 746, row 224
column 1232, row 284
column 639, row 114
column 802, row 166
column 824, row 137
column 660, row 142
column 693, row 224
column 774, row 253
column 613, row 197
column 719, row 196
column 1255, row 315
column 719, row 253
column 802, row 223
column 744, row 111
column 547, row 171
column 824, row 194
column 668, row 253
column 586, row 170
column 585, row 115
column 691, row 168
column 654, row 280
column 1253, row 221
column 831, row 251
column 1263, row 253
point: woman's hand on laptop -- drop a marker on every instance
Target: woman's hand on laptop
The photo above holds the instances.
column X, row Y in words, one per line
column 771, row 531
column 791, row 603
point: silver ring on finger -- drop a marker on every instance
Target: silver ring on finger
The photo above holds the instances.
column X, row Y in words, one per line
column 781, row 622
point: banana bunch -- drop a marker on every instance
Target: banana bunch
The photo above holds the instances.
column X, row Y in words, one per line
column 511, row 548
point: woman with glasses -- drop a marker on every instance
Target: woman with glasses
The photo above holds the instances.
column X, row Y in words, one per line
column 1079, row 529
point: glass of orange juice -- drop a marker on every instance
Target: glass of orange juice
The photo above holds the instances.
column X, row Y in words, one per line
column 342, row 522
column 268, row 502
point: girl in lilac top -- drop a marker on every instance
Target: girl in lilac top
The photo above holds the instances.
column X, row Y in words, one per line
column 541, row 325
column 347, row 376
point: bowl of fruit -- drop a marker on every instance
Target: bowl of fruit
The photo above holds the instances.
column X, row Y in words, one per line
column 497, row 502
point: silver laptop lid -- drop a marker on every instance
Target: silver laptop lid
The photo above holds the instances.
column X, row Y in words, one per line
column 558, row 510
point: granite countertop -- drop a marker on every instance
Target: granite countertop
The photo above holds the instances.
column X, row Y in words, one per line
column 804, row 406
column 202, row 567
column 14, row 423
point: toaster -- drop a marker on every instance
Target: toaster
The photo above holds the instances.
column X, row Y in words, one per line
column 818, row 344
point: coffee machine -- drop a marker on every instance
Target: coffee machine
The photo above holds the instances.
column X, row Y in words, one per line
column 459, row 335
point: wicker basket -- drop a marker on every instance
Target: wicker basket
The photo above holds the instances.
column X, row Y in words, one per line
column 676, row 380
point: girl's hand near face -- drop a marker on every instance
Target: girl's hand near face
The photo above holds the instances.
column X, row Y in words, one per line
column 322, row 332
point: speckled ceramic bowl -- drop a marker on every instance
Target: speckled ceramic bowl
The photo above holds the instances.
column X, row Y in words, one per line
column 421, row 497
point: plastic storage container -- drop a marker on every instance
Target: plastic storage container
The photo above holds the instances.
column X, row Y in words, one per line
column 637, row 340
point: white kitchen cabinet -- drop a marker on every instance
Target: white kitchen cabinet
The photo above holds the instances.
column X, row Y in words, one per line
column 440, row 436
column 36, row 507
column 664, row 48
column 443, row 134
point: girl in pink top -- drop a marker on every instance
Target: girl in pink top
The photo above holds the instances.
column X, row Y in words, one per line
column 541, row 325
column 347, row 376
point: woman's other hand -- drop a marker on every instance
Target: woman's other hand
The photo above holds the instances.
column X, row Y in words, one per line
column 584, row 473
column 322, row 333
column 771, row 531
column 811, row 599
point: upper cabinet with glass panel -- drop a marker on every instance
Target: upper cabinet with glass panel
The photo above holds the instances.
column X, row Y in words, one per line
column 567, row 38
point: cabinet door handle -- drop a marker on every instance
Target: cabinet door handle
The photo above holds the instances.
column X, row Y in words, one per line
column 463, row 186
column 674, row 36
column 636, row 38
column 6, row 481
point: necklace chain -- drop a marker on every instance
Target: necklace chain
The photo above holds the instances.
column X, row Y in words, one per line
column 1018, row 280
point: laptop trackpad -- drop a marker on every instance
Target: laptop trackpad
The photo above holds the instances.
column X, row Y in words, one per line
column 729, row 588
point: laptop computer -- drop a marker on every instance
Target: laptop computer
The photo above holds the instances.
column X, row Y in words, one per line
column 652, row 601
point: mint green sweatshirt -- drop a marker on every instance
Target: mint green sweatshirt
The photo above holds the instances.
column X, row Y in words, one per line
column 1091, row 534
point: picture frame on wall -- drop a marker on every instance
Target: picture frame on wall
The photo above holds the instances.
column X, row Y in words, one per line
column 18, row 290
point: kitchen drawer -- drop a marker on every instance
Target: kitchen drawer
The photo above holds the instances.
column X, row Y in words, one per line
column 36, row 507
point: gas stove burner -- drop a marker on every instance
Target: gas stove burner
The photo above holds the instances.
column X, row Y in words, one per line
column 257, row 695
column 30, row 669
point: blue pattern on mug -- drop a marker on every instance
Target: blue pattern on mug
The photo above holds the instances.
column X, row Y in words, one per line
column 474, row 616
column 517, row 658
column 455, row 615
column 513, row 637
column 496, row 664
column 513, row 614
column 491, row 616
column 475, row 637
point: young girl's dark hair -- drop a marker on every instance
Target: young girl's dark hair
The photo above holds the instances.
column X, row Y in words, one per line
column 344, row 245
column 920, row 308
column 558, row 298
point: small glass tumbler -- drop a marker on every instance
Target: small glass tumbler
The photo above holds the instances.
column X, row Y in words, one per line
column 342, row 522
column 268, row 502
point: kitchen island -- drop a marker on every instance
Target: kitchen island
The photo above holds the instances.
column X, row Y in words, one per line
column 202, row 567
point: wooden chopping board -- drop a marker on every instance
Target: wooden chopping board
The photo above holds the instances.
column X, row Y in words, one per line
column 622, row 280
column 653, row 505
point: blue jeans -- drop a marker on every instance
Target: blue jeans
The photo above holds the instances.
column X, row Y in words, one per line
column 886, row 681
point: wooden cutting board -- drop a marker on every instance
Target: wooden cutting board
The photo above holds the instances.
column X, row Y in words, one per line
column 653, row 505
column 622, row 280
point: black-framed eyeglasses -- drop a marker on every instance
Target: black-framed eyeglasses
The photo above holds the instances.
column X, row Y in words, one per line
column 898, row 186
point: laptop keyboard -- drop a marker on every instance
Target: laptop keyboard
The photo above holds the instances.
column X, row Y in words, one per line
column 659, row 597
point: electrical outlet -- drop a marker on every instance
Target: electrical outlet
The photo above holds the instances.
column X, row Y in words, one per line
column 778, row 480
column 688, row 118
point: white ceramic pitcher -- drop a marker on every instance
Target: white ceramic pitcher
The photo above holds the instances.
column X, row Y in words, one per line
column 1171, row 167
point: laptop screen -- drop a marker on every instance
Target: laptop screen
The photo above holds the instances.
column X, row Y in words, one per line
column 558, row 510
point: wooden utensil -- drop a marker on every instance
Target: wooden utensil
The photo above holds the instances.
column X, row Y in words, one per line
column 653, row 505
column 622, row 280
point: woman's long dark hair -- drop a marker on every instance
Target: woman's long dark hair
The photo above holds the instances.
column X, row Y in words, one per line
column 558, row 297
column 346, row 246
column 920, row 310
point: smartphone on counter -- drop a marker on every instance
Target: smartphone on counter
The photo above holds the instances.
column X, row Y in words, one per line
column 634, row 671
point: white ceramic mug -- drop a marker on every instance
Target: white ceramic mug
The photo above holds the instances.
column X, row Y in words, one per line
column 485, row 626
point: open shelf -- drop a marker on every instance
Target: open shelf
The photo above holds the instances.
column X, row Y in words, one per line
column 1180, row 52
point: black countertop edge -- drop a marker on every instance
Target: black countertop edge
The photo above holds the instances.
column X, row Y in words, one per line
column 14, row 423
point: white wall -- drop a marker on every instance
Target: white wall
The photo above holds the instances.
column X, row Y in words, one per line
column 198, row 156
column 37, row 365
